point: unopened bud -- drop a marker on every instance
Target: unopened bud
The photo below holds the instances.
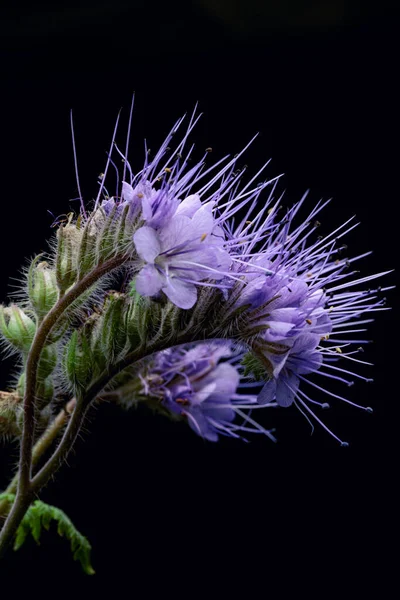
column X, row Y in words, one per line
column 47, row 362
column 17, row 327
column 78, row 361
column 10, row 414
column 43, row 290
column 113, row 327
column 69, row 239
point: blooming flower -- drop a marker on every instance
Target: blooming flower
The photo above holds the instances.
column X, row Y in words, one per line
column 200, row 385
column 180, row 253
column 285, row 296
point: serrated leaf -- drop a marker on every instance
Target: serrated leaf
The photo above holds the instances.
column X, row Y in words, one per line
column 254, row 368
column 41, row 515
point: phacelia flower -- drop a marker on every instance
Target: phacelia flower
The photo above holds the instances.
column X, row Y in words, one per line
column 183, row 251
column 203, row 385
column 283, row 294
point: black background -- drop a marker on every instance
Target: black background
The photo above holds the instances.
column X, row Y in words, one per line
column 163, row 509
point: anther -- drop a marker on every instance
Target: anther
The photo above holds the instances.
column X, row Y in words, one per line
column 325, row 405
column 209, row 149
column 344, row 444
column 369, row 409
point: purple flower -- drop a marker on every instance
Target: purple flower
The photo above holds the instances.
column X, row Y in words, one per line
column 301, row 305
column 200, row 385
column 288, row 297
column 187, row 249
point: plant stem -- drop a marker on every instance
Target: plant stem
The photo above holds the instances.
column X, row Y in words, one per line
column 41, row 446
column 25, row 491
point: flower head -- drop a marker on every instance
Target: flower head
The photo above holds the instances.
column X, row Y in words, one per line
column 199, row 384
column 283, row 294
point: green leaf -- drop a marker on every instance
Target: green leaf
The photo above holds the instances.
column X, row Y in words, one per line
column 41, row 515
column 254, row 368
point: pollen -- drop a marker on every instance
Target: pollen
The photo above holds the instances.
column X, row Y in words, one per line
column 339, row 350
column 168, row 170
column 182, row 401
column 309, row 321
column 203, row 237
column 140, row 195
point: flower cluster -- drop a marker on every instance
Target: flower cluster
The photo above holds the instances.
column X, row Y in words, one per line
column 284, row 294
column 202, row 384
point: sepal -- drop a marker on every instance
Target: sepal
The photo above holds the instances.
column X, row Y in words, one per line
column 17, row 327
column 42, row 287
column 69, row 239
column 78, row 360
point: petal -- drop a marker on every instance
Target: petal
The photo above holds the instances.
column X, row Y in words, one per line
column 127, row 191
column 183, row 295
column 267, row 394
column 178, row 231
column 226, row 380
column 286, row 389
column 148, row 281
column 203, row 220
column 277, row 330
column 147, row 243
column 189, row 205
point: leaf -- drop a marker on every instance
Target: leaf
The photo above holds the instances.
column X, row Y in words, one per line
column 253, row 368
column 41, row 515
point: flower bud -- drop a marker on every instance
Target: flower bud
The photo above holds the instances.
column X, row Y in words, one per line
column 17, row 327
column 113, row 327
column 10, row 413
column 47, row 362
column 43, row 290
column 78, row 360
column 69, row 239
column 45, row 393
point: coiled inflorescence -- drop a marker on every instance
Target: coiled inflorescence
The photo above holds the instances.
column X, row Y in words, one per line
column 189, row 281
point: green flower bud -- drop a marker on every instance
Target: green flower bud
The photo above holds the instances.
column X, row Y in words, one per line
column 17, row 327
column 10, row 414
column 144, row 318
column 43, row 290
column 45, row 392
column 113, row 326
column 47, row 362
column 69, row 239
column 78, row 361
column 21, row 385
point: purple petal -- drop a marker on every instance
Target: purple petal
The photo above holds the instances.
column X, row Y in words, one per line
column 176, row 232
column 148, row 281
column 127, row 192
column 183, row 295
column 147, row 243
column 203, row 220
column 286, row 389
column 189, row 205
column 267, row 394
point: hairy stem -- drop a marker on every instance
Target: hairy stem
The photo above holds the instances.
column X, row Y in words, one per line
column 25, row 489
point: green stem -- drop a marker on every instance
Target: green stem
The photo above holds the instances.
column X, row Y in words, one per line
column 40, row 448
